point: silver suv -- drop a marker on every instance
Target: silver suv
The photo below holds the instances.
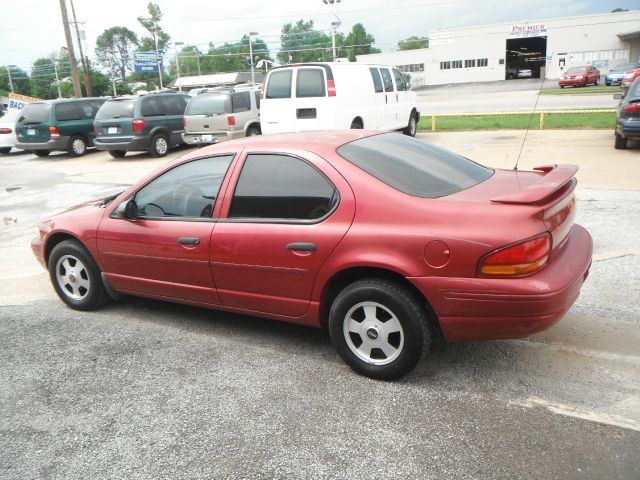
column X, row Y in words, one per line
column 222, row 114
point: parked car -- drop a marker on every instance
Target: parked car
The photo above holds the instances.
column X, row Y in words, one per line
column 525, row 73
column 615, row 76
column 629, row 77
column 152, row 122
column 330, row 96
column 222, row 115
column 8, row 130
column 385, row 240
column 628, row 116
column 63, row 124
column 579, row 77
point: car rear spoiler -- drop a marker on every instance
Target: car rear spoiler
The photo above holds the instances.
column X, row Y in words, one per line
column 555, row 178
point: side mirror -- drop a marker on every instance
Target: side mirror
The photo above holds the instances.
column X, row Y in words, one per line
column 131, row 210
column 618, row 96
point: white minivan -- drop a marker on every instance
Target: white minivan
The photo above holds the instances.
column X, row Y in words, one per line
column 331, row 96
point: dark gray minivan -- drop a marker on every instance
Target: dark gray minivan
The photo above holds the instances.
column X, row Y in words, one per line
column 152, row 122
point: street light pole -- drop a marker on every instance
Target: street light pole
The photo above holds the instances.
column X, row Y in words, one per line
column 334, row 25
column 252, row 63
column 155, row 39
column 9, row 67
column 55, row 69
column 177, row 44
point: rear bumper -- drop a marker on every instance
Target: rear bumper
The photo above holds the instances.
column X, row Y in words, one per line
column 628, row 128
column 216, row 137
column 57, row 143
column 122, row 143
column 483, row 309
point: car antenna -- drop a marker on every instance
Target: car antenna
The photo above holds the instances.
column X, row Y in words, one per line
column 524, row 140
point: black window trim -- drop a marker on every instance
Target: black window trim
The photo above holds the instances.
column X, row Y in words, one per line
column 289, row 221
column 114, row 213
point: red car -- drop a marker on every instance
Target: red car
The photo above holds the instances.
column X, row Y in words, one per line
column 386, row 240
column 579, row 77
column 629, row 77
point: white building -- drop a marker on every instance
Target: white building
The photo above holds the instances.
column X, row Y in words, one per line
column 497, row 52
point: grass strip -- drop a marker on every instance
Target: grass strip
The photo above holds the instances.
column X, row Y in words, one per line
column 583, row 90
column 521, row 121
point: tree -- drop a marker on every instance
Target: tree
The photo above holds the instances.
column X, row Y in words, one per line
column 19, row 78
column 43, row 77
column 233, row 57
column 357, row 42
column 115, row 46
column 413, row 43
column 619, row 10
column 301, row 43
column 156, row 34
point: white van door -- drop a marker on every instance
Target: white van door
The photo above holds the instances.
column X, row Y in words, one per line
column 313, row 107
column 277, row 113
column 404, row 96
column 389, row 118
column 379, row 99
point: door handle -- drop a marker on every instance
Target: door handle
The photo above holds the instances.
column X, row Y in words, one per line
column 189, row 241
column 301, row 246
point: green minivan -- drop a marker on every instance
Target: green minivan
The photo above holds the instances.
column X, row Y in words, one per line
column 64, row 124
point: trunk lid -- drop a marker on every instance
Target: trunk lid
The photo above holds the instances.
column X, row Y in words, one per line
column 207, row 113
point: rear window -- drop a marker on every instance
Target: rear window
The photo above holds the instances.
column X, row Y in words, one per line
column 116, row 109
column 310, row 83
column 279, row 85
column 412, row 166
column 35, row 113
column 207, row 104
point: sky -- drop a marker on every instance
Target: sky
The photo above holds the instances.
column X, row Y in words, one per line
column 33, row 29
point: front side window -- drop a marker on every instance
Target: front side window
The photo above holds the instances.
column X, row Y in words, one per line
column 386, row 80
column 401, row 83
column 279, row 85
column 188, row 190
column 310, row 83
column 151, row 107
column 412, row 166
column 377, row 81
column 281, row 187
column 241, row 101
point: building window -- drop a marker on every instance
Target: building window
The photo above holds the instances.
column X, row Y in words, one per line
column 456, row 64
column 483, row 62
column 414, row 67
column 470, row 63
column 445, row 65
column 501, row 61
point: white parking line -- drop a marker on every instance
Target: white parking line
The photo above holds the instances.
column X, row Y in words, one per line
column 581, row 413
column 616, row 254
column 556, row 347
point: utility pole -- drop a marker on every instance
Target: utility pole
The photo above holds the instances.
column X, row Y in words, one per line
column 85, row 66
column 10, row 81
column 251, row 60
column 177, row 44
column 77, row 91
column 155, row 39
column 198, row 60
column 55, row 69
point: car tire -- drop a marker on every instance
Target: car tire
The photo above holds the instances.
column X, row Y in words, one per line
column 388, row 320
column 77, row 146
column 620, row 142
column 41, row 153
column 561, row 86
column 253, row 130
column 159, row 146
column 595, row 83
column 412, row 126
column 356, row 125
column 76, row 277
column 4, row 151
column 117, row 153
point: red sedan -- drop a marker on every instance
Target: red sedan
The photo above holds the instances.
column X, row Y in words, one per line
column 579, row 77
column 385, row 240
column 630, row 76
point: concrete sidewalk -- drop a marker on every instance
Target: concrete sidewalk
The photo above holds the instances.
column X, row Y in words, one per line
column 601, row 166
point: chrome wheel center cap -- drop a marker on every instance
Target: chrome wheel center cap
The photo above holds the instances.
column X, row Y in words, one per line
column 72, row 278
column 372, row 333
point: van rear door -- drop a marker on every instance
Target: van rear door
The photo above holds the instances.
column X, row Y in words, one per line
column 313, row 108
column 277, row 112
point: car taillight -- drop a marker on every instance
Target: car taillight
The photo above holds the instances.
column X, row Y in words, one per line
column 331, row 88
column 53, row 131
column 231, row 120
column 95, row 129
column 138, row 124
column 184, row 122
column 633, row 108
column 5, row 130
column 262, row 89
column 522, row 258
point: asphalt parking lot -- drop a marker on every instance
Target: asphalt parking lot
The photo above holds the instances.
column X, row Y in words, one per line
column 145, row 389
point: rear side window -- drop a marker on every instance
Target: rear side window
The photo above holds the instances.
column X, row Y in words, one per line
column 412, row 166
column 241, row 101
column 151, row 107
column 68, row 111
column 207, row 104
column 310, row 83
column 377, row 81
column 279, row 85
column 116, row 109
column 283, row 187
column 257, row 94
column 386, row 80
column 401, row 83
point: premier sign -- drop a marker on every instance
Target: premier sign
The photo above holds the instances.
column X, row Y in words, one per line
column 528, row 30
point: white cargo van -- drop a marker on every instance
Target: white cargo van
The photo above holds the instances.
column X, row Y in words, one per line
column 330, row 96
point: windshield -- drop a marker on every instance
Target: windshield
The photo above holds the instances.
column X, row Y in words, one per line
column 577, row 70
column 35, row 113
column 207, row 105
column 116, row 109
column 412, row 166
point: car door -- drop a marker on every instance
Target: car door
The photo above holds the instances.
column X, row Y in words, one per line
column 164, row 250
column 277, row 107
column 389, row 118
column 404, row 97
column 241, row 108
column 285, row 216
column 379, row 99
